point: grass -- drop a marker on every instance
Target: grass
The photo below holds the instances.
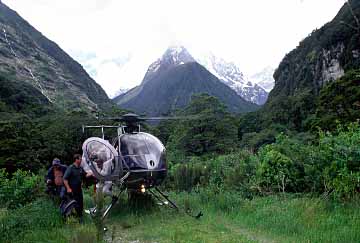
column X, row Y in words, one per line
column 269, row 219
column 227, row 218
column 301, row 219
column 40, row 221
column 166, row 226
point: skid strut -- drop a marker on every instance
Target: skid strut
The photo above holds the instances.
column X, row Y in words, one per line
column 114, row 199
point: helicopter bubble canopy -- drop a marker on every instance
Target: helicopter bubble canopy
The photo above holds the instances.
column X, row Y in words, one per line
column 101, row 158
column 143, row 151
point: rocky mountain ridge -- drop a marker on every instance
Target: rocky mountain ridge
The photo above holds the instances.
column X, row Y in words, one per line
column 324, row 57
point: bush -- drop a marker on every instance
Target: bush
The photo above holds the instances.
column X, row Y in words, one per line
column 22, row 188
column 331, row 165
column 341, row 154
column 276, row 171
column 234, row 171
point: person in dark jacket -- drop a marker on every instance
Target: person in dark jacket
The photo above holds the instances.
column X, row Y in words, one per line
column 72, row 182
column 54, row 178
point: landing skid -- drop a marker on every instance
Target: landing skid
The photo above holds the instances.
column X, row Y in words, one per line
column 160, row 196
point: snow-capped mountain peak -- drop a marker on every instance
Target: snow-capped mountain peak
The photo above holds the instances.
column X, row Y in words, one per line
column 173, row 56
column 176, row 55
column 230, row 74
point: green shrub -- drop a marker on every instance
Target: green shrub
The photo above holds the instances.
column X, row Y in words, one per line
column 331, row 165
column 234, row 172
column 22, row 188
column 275, row 172
column 341, row 154
column 282, row 165
column 230, row 172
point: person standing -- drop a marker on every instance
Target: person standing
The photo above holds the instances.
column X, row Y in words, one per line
column 54, row 178
column 72, row 182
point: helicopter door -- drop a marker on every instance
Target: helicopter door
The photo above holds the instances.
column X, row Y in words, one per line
column 102, row 158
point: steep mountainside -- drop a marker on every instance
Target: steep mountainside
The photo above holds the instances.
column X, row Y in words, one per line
column 323, row 57
column 230, row 74
column 32, row 62
column 170, row 82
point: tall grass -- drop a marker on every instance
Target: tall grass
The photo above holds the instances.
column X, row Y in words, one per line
column 40, row 221
column 229, row 218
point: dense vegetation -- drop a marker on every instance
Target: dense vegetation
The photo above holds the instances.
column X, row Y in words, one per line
column 326, row 162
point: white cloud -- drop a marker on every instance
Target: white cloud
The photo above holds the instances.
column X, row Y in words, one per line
column 254, row 34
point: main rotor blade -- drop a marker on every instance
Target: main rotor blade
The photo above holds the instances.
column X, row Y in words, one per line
column 169, row 118
column 135, row 118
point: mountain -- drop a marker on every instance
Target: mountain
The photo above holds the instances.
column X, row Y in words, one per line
column 170, row 82
column 33, row 68
column 324, row 56
column 319, row 79
column 230, row 74
column 264, row 78
column 174, row 56
column 120, row 92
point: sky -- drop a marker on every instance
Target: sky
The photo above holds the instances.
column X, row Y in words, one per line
column 116, row 40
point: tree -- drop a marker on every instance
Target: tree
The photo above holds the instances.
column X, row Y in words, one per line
column 212, row 130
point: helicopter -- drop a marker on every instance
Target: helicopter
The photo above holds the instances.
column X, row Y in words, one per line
column 133, row 160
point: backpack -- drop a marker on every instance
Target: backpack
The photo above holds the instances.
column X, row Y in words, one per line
column 58, row 177
column 68, row 207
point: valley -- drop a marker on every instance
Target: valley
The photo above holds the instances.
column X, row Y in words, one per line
column 265, row 159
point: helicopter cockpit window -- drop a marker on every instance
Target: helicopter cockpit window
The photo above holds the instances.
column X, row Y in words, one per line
column 154, row 145
column 133, row 145
column 101, row 156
